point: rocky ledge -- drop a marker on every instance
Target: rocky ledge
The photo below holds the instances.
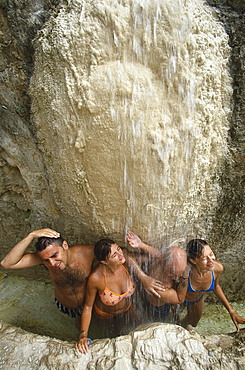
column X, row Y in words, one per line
column 154, row 346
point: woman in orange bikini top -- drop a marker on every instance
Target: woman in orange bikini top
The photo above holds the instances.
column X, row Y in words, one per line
column 109, row 298
column 109, row 288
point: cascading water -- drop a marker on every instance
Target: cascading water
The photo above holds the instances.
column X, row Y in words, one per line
column 131, row 103
column 136, row 94
column 130, row 111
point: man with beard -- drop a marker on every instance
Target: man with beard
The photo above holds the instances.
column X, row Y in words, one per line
column 69, row 267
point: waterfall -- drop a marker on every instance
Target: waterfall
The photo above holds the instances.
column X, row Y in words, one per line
column 131, row 102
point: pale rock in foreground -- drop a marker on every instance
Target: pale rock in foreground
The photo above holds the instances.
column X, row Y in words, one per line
column 154, row 346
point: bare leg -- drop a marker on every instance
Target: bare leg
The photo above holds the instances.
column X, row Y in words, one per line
column 194, row 313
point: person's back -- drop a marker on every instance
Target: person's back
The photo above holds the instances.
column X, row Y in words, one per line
column 171, row 268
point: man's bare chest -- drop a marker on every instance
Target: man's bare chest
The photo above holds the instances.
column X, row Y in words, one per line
column 69, row 277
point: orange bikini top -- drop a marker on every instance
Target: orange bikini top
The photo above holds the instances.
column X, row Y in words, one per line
column 111, row 299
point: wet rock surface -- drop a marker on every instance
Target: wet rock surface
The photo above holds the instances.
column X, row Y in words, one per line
column 35, row 168
column 49, row 133
column 155, row 346
column 49, row 336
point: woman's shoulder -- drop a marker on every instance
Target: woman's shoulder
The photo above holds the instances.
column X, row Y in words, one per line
column 96, row 274
column 218, row 267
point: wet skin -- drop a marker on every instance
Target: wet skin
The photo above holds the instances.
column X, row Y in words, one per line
column 117, row 278
column 169, row 274
column 69, row 268
column 117, row 281
column 201, row 277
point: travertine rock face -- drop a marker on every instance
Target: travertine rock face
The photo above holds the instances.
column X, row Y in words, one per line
column 131, row 107
column 161, row 346
column 131, row 103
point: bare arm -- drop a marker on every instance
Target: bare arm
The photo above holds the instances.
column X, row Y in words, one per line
column 222, row 298
column 182, row 288
column 17, row 259
column 135, row 242
column 150, row 284
column 82, row 344
column 174, row 295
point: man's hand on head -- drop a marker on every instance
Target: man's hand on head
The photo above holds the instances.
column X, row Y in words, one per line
column 48, row 233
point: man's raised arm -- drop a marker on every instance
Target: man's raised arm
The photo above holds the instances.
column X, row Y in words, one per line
column 135, row 242
column 17, row 259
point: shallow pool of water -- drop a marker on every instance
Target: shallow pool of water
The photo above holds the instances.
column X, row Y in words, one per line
column 30, row 305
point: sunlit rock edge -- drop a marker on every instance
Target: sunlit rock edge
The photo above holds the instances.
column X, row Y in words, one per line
column 157, row 346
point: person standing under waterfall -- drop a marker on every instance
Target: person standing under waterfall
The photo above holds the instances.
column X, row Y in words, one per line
column 69, row 267
column 109, row 291
column 168, row 266
column 204, row 277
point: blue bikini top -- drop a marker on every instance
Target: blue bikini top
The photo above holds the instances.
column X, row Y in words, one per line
column 212, row 285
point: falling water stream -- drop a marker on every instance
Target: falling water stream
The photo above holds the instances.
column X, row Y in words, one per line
column 137, row 115
column 167, row 116
column 30, row 305
column 159, row 103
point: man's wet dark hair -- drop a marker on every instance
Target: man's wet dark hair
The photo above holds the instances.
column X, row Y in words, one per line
column 194, row 248
column 103, row 248
column 43, row 242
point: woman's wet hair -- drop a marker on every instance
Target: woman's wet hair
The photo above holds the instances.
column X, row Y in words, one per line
column 103, row 248
column 43, row 242
column 194, row 248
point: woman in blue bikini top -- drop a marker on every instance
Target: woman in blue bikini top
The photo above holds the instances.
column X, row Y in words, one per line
column 204, row 277
column 212, row 285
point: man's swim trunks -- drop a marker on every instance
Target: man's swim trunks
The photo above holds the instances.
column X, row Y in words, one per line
column 73, row 312
column 159, row 313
